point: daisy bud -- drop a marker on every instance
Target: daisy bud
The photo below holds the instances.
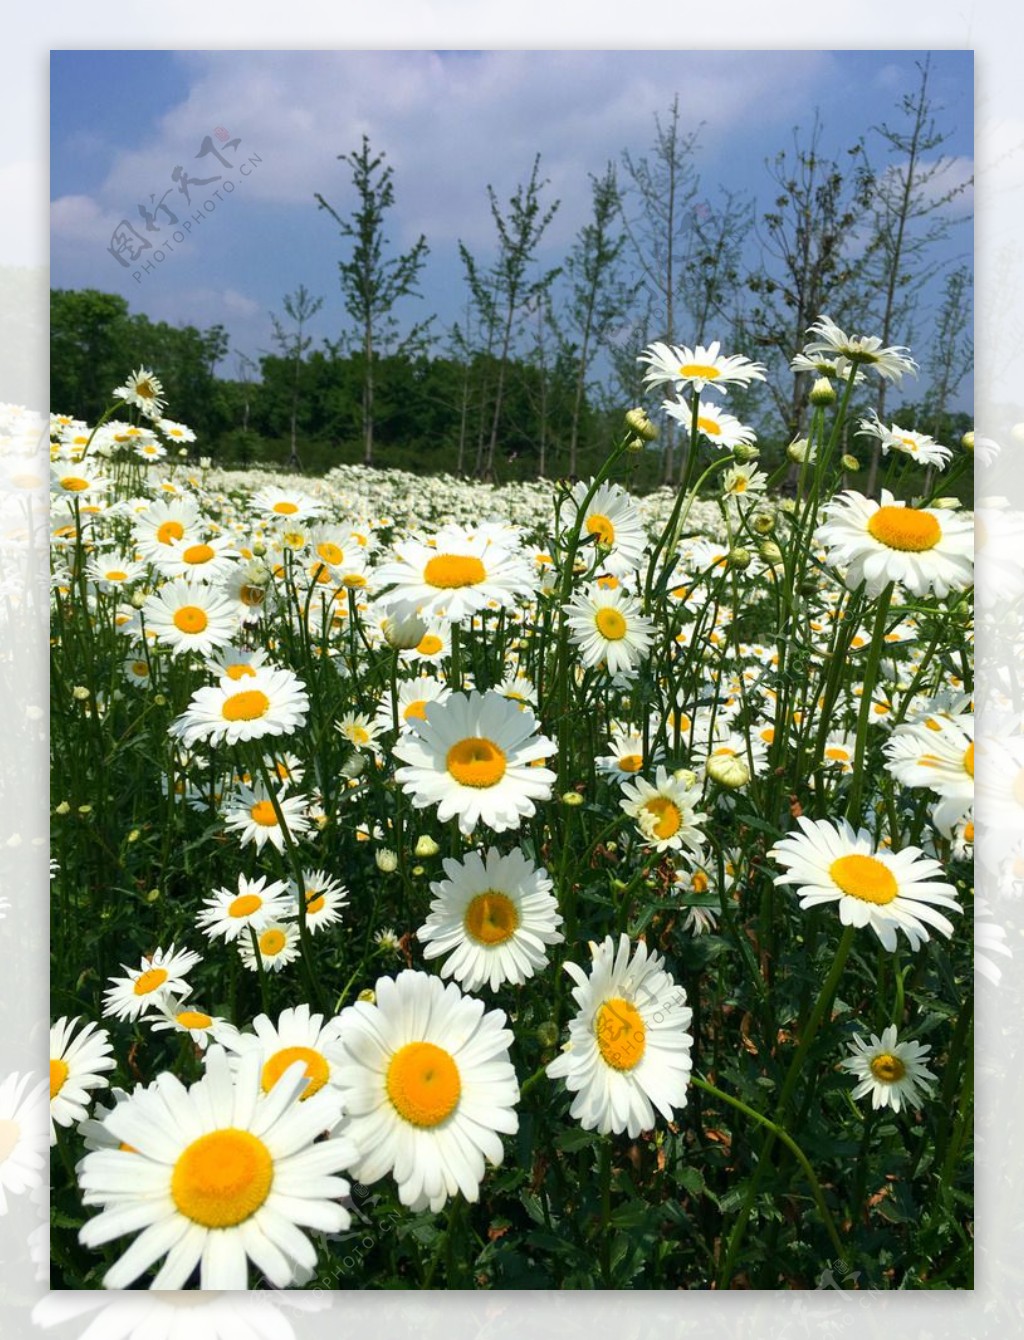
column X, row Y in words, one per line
column 152, row 895
column 139, row 599
column 770, row 552
column 354, row 766
column 945, row 504
column 205, row 462
column 134, row 835
column 797, row 451
column 183, row 452
column 404, row 634
column 745, row 452
column 728, row 770
column 763, row 523
column 417, row 870
column 547, row 1033
column 426, row 846
column 159, row 700
column 80, row 693
column 368, row 995
column 572, row 798
column 259, row 549
column 822, row 392
column 739, row 558
column 62, row 808
column 635, row 445
column 967, row 441
column 849, row 462
column 685, row 776
column 387, row 860
column 638, row 422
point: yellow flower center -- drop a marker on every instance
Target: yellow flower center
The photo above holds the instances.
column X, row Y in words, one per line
column 599, row 525
column 429, row 644
column 905, row 529
column 117, row 575
column 74, row 483
column 190, row 619
column 620, row 1032
column 317, row 1070
column 241, row 671
column 140, row 668
column 272, row 942
column 58, row 1074
column 610, row 624
column 450, row 571
column 491, row 918
column 222, row 1179
column 244, row 905
column 423, row 1084
column 284, row 508
column 968, row 759
column 631, row 762
column 703, row 371
column 330, row 553
column 145, row 389
column 417, row 709
column 887, row 1068
column 193, row 1019
column 170, row 530
column 476, row 762
column 866, row 878
column 248, row 705
column 314, row 901
column 699, row 882
column 150, row 980
column 837, row 755
column 710, row 427
column 669, row 820
column 198, row 553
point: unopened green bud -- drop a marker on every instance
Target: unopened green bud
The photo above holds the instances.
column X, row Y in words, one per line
column 967, row 441
column 635, row 445
column 822, row 392
column 639, row 423
column 849, row 462
column 572, row 798
column 368, row 995
column 417, row 870
column 152, row 895
column 258, row 549
column 62, row 808
column 138, row 599
column 945, row 504
column 685, row 776
column 770, row 552
column 547, row 1033
column 387, row 860
column 728, row 770
column 744, row 452
column 426, row 846
column 404, row 634
column 740, row 558
column 353, row 767
column 797, row 451
column 763, row 523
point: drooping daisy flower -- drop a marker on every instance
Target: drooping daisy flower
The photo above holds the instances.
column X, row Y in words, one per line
column 493, row 917
column 665, row 813
column 609, row 628
column 455, row 577
column 920, row 446
column 629, row 1050
column 144, row 390
column 298, row 1035
column 894, row 1073
column 325, row 897
column 251, row 813
column 721, row 429
column 277, row 944
column 886, row 890
column 473, row 757
column 413, row 697
column 271, row 701
column 681, row 366
column 161, row 975
column 190, row 616
column 937, row 753
column 229, row 913
column 218, row 1174
column 428, row 1088
column 612, row 519
column 890, row 363
column 201, row 1027
column 923, row 548
column 626, row 755
column 77, row 1067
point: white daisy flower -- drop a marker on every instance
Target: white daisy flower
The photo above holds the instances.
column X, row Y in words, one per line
column 189, row 616
column 886, row 890
column 721, row 429
column 629, row 1050
column 325, row 897
column 272, row 701
column 77, row 1066
column 204, row 560
column 201, row 1027
column 613, row 522
column 220, row 1174
column 229, row 913
column 143, row 389
column 493, row 916
column 287, row 504
column 625, row 757
column 890, row 363
column 161, row 974
column 22, row 1136
column 454, row 577
column 681, row 366
column 277, row 944
column 893, row 1073
column 428, row 1088
column 666, row 812
column 298, row 1035
column 473, row 757
column 250, row 812
column 609, row 629
column 937, row 753
column 924, row 449
column 923, row 548
column 164, row 523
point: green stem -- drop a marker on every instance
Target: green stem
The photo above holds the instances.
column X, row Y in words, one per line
column 853, row 812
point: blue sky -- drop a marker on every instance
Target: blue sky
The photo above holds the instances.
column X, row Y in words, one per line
column 450, row 122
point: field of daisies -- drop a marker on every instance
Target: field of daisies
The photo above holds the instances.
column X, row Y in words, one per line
column 528, row 887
